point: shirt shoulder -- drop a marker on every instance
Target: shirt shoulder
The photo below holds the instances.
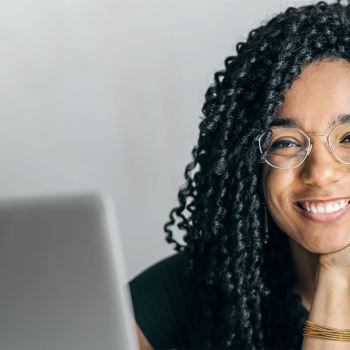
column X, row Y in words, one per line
column 166, row 305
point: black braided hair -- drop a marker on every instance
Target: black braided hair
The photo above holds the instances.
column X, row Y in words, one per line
column 247, row 287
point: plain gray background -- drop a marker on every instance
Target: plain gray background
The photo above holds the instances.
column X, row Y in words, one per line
column 106, row 95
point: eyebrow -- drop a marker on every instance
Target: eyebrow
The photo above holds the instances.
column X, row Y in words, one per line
column 342, row 119
column 288, row 122
column 296, row 122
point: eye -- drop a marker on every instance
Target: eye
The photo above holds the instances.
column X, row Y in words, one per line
column 345, row 139
column 285, row 144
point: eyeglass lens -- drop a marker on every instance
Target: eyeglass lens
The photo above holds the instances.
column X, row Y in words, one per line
column 287, row 148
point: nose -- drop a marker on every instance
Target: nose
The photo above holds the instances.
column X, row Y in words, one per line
column 321, row 168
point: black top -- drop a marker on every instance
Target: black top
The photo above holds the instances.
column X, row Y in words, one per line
column 167, row 307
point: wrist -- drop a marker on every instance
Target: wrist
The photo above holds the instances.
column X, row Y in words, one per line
column 331, row 299
column 334, row 276
column 333, row 273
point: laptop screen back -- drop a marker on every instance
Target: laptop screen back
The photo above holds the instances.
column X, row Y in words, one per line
column 60, row 276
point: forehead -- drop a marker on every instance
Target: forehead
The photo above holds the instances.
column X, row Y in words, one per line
column 319, row 98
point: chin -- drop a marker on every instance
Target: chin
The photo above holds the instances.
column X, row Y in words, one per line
column 326, row 243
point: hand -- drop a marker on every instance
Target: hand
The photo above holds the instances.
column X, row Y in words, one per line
column 337, row 262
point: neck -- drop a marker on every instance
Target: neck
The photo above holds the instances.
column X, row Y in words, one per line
column 305, row 267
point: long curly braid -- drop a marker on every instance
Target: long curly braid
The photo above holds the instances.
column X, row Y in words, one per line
column 246, row 287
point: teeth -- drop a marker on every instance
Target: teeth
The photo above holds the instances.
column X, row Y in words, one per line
column 320, row 208
column 329, row 208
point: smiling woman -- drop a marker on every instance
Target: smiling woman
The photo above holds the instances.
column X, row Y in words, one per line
column 272, row 165
column 309, row 202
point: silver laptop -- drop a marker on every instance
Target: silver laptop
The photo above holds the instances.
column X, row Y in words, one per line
column 62, row 275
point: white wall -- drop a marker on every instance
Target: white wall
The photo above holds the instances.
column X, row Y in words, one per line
column 101, row 94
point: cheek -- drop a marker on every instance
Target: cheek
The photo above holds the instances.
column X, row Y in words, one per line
column 277, row 187
column 275, row 184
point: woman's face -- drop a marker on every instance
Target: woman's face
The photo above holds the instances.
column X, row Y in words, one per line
column 316, row 101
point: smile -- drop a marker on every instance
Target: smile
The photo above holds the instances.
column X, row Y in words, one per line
column 323, row 211
column 324, row 207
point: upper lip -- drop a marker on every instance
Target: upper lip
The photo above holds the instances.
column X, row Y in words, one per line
column 322, row 200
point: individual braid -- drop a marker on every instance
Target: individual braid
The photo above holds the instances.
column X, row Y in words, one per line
column 247, row 289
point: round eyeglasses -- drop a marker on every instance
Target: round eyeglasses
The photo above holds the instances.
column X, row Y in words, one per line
column 287, row 148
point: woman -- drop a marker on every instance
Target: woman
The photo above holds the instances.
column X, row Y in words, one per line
column 265, row 208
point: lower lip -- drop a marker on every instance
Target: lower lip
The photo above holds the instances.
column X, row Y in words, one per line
column 324, row 217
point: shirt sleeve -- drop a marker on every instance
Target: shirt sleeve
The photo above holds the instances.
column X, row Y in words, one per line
column 161, row 306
